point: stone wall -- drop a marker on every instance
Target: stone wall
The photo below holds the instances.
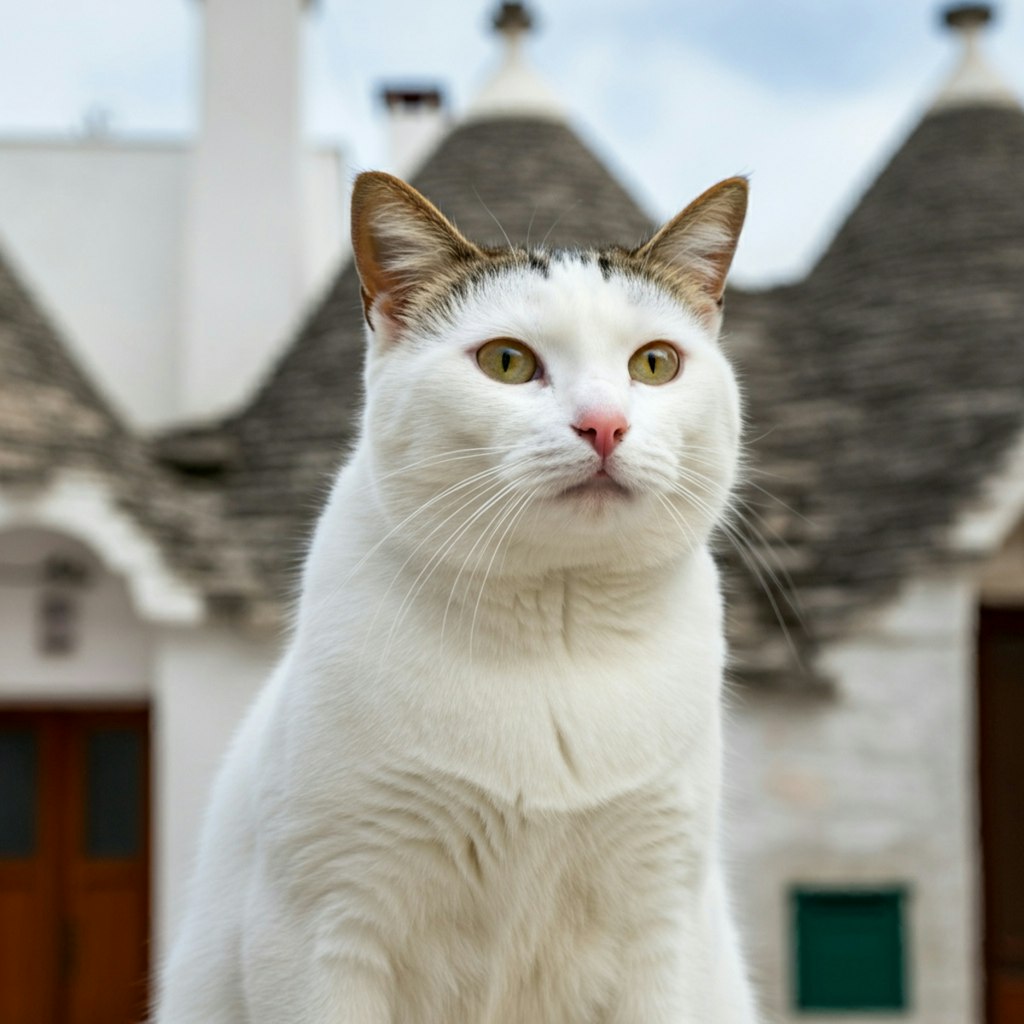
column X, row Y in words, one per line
column 870, row 787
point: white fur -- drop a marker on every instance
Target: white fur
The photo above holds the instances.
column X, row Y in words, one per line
column 482, row 787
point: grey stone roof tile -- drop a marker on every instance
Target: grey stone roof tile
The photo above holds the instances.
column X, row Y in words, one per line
column 52, row 418
column 883, row 391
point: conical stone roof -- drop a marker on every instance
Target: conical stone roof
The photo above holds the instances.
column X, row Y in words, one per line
column 49, row 411
column 53, row 419
column 889, row 386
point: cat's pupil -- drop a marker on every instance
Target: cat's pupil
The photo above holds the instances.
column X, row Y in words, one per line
column 506, row 360
column 652, row 361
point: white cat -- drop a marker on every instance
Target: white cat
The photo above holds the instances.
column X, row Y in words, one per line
column 482, row 787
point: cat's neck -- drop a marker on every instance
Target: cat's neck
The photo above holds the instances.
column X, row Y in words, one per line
column 493, row 609
column 575, row 611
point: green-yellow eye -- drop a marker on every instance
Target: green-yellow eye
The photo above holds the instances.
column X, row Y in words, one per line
column 655, row 363
column 507, row 360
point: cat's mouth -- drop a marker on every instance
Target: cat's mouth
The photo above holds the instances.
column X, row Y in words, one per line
column 601, row 483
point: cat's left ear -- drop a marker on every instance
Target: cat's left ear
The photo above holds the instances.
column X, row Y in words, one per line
column 696, row 247
column 402, row 244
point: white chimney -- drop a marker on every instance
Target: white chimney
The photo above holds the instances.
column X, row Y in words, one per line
column 416, row 122
column 242, row 269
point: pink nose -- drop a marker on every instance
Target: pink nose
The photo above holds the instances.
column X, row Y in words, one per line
column 603, row 430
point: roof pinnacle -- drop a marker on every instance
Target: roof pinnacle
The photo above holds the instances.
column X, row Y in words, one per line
column 974, row 83
column 967, row 16
column 515, row 90
column 513, row 19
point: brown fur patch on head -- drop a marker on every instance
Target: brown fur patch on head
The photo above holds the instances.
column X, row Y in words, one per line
column 412, row 260
column 434, row 298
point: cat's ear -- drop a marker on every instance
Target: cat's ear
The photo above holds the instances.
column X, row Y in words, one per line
column 696, row 247
column 402, row 243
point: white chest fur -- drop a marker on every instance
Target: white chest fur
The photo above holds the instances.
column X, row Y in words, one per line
column 495, row 837
column 474, row 909
column 556, row 690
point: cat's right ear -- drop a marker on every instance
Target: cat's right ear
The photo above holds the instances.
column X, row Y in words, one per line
column 402, row 245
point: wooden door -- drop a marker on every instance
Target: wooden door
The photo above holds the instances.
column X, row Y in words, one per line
column 1001, row 774
column 74, row 867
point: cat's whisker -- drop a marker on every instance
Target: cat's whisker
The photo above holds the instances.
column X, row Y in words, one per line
column 515, row 517
column 774, row 499
column 483, row 480
column 757, row 566
column 788, row 590
column 746, row 480
column 438, row 558
column 489, row 530
column 440, row 459
column 752, row 560
column 557, row 221
column 760, row 437
column 529, row 227
column 674, row 513
column 429, row 503
column 504, row 557
column 746, row 511
column 490, row 213
column 480, row 489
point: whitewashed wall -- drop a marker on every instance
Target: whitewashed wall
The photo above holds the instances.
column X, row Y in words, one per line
column 325, row 224
column 203, row 682
column 873, row 786
column 112, row 659
column 95, row 228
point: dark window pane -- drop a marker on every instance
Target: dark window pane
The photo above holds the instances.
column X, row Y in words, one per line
column 113, row 793
column 849, row 952
column 19, row 782
column 58, row 619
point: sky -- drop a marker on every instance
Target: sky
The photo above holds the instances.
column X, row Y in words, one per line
column 808, row 97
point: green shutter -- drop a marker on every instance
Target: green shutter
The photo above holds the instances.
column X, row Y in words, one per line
column 849, row 950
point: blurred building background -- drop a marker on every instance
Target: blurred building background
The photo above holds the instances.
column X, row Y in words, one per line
column 180, row 351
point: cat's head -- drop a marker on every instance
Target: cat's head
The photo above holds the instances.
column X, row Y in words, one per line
column 548, row 408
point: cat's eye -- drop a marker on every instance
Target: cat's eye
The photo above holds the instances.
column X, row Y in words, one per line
column 507, row 360
column 655, row 363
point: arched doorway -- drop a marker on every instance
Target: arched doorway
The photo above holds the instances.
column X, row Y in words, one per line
column 74, row 788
